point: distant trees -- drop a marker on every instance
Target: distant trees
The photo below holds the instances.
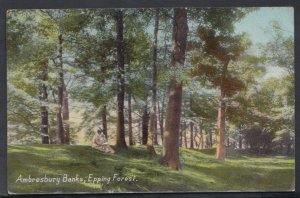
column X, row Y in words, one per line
column 259, row 139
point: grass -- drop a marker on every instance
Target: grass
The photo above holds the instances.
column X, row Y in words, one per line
column 201, row 171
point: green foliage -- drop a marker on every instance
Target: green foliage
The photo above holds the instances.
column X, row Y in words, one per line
column 89, row 67
column 280, row 51
column 220, row 19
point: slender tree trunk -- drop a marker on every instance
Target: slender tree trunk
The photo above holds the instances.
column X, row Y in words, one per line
column 44, row 99
column 170, row 151
column 201, row 136
column 145, row 124
column 211, row 139
column 195, row 135
column 103, row 110
column 197, row 143
column 184, row 133
column 180, row 135
column 161, row 117
column 120, row 138
column 221, row 117
column 192, row 135
column 65, row 115
column 159, row 121
column 152, row 137
column 59, row 122
column 130, row 121
column 288, row 150
column 104, row 121
column 240, row 142
column 139, row 133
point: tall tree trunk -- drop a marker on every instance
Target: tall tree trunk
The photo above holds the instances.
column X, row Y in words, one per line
column 170, row 151
column 192, row 135
column 130, row 121
column 44, row 99
column 152, row 137
column 59, row 122
column 120, row 137
column 65, row 114
column 145, row 123
column 221, row 117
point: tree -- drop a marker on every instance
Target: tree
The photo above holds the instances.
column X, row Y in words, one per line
column 170, row 151
column 28, row 77
column 120, row 139
column 65, row 114
column 60, row 85
column 130, row 132
column 152, row 138
column 145, row 125
column 192, row 135
column 224, row 48
column 43, row 96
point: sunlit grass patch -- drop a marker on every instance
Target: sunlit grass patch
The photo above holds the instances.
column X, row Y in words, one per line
column 200, row 172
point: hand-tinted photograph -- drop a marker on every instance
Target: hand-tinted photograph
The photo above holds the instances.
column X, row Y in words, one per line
column 150, row 100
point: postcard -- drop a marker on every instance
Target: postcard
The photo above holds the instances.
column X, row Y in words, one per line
column 178, row 99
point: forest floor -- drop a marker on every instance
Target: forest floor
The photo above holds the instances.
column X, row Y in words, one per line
column 201, row 172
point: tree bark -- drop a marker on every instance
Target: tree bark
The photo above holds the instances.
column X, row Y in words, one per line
column 170, row 151
column 152, row 137
column 120, row 137
column 221, row 117
column 44, row 99
column 130, row 121
column 59, row 122
column 145, row 123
